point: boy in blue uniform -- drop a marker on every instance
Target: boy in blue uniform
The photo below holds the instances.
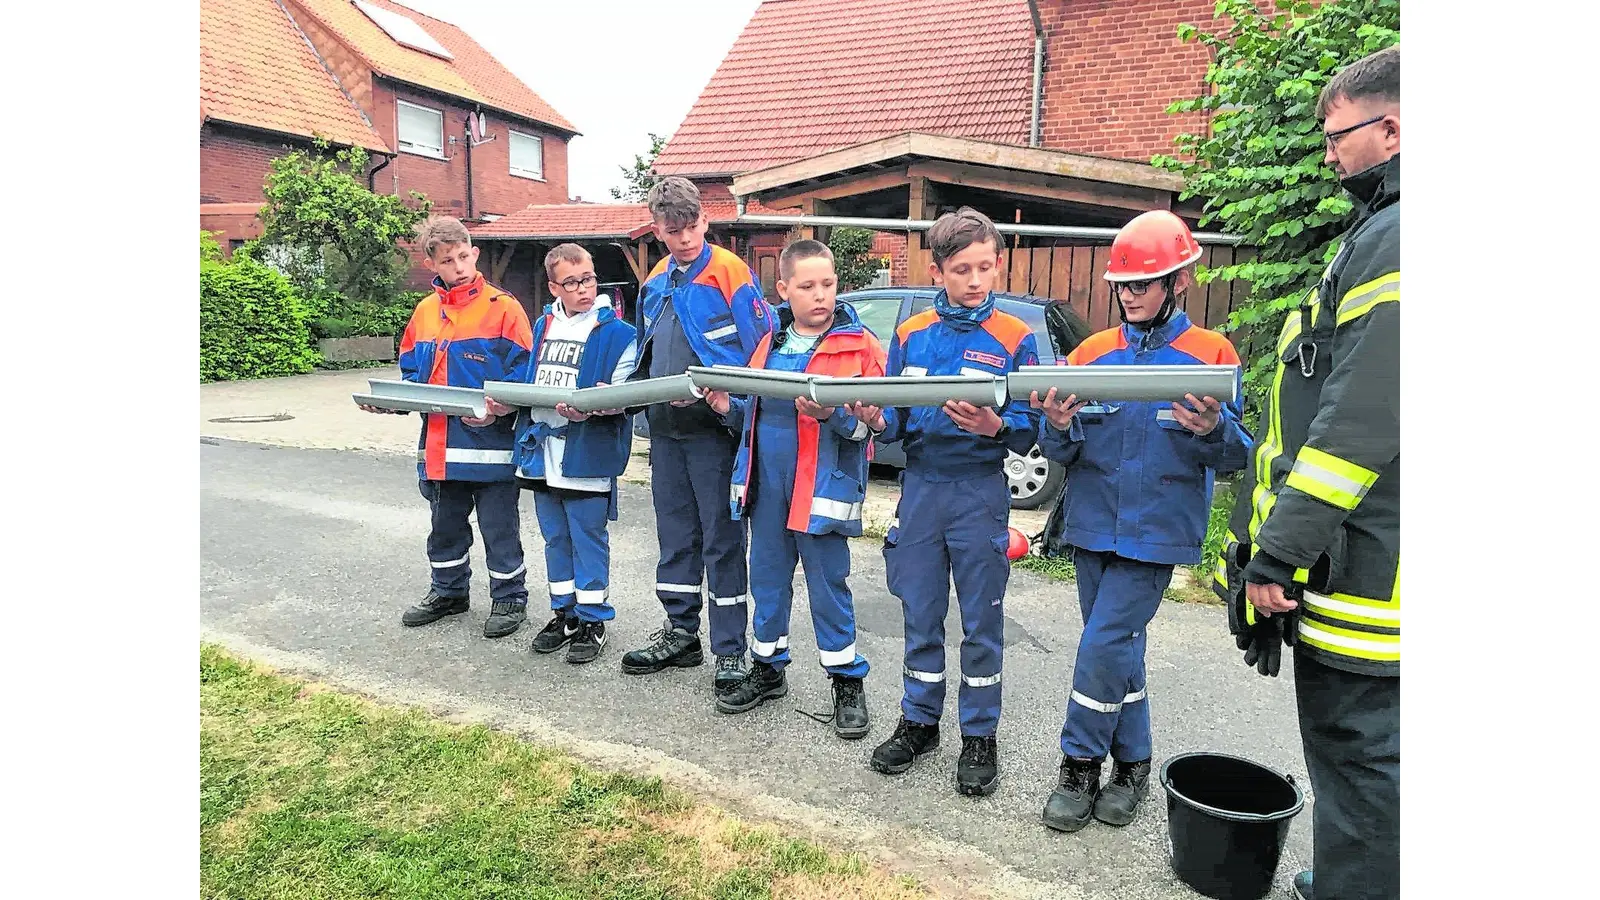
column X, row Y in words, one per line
column 570, row 459
column 699, row 307
column 1141, row 477
column 954, row 504
column 800, row 478
column 463, row 334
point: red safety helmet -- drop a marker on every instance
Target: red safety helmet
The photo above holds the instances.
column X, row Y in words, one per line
column 1018, row 544
column 1154, row 244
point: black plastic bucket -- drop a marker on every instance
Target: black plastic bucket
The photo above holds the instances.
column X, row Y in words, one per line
column 1227, row 819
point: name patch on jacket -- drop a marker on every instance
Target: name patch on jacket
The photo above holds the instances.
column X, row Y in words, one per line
column 476, row 357
column 988, row 359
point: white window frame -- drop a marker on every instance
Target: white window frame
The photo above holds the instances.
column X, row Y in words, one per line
column 413, row 148
column 525, row 173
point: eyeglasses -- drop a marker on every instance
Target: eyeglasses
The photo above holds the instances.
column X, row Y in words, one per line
column 572, row 284
column 1330, row 138
column 1136, row 288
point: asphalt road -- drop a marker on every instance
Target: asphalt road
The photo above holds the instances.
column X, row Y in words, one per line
column 309, row 556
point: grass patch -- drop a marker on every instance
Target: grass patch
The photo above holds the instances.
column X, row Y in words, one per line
column 308, row 792
column 1058, row 568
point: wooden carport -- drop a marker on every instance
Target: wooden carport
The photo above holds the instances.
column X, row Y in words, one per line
column 916, row 177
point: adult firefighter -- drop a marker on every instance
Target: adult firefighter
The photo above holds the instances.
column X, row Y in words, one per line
column 1316, row 528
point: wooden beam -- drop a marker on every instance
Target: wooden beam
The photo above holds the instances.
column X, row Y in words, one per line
column 502, row 259
column 808, row 207
column 834, row 189
column 958, row 150
column 821, row 165
column 917, row 208
column 634, row 263
column 1047, row 187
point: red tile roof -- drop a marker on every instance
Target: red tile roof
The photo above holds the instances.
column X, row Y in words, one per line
column 256, row 69
column 808, row 76
column 600, row 220
column 473, row 74
column 551, row 220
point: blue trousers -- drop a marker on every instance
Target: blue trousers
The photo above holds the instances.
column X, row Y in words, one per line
column 450, row 536
column 945, row 528
column 1109, row 710
column 577, row 552
column 774, row 551
column 690, row 482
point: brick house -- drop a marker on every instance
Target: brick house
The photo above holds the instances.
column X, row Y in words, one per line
column 918, row 106
column 371, row 73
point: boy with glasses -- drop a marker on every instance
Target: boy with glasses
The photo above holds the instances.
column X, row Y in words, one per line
column 569, row 459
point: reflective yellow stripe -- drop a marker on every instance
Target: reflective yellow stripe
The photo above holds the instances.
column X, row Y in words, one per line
column 1361, row 299
column 1329, row 478
column 1355, row 610
column 1344, row 642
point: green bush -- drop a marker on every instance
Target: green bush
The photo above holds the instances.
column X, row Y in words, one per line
column 852, row 257
column 1216, row 530
column 251, row 323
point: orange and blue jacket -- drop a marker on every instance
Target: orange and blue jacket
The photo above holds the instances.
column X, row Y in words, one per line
column 717, row 303
column 1139, row 483
column 830, row 476
column 935, row 447
column 463, row 337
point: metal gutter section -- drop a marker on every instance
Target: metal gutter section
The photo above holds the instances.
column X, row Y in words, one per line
column 644, row 392
column 516, row 393
column 1063, row 231
column 752, row 382
column 423, row 398
column 1129, row 384
column 924, row 390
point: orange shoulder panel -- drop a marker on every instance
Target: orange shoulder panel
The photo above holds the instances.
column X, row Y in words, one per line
column 1208, row 346
column 1097, row 345
column 758, row 359
column 1007, row 329
column 915, row 324
column 725, row 270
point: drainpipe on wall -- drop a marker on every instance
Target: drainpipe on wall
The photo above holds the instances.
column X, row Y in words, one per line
column 466, row 137
column 372, row 176
column 1038, row 71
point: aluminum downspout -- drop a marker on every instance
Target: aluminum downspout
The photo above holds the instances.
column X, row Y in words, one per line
column 1038, row 71
column 1065, row 231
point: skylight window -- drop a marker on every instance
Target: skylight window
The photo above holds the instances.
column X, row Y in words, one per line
column 402, row 30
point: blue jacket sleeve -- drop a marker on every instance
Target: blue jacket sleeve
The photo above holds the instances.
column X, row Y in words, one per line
column 1020, row 419
column 1063, row 447
column 847, row 426
column 752, row 315
column 894, row 418
column 738, row 409
column 1227, row 448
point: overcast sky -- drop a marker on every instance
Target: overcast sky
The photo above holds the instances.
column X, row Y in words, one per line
column 617, row 69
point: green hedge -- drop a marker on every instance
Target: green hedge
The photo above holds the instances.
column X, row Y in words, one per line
column 251, row 323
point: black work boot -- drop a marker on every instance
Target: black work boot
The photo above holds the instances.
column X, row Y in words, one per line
column 670, row 647
column 1130, row 783
column 587, row 642
column 909, row 741
column 1072, row 802
column 978, row 770
column 555, row 634
column 433, row 607
column 1302, row 885
column 849, row 708
column 763, row 683
column 730, row 671
column 505, row 617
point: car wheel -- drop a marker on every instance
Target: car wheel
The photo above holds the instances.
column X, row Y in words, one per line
column 1034, row 480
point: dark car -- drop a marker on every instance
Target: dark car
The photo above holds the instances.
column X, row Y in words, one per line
column 1034, row 480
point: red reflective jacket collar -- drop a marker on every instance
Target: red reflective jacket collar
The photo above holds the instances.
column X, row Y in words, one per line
column 459, row 296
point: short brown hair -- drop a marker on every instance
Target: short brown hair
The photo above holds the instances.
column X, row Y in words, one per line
column 441, row 230
column 805, row 249
column 1374, row 76
column 956, row 231
column 561, row 253
column 674, row 201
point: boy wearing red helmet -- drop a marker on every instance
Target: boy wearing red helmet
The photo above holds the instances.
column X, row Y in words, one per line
column 1141, row 476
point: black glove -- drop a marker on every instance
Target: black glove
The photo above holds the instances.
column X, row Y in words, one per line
column 1261, row 637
